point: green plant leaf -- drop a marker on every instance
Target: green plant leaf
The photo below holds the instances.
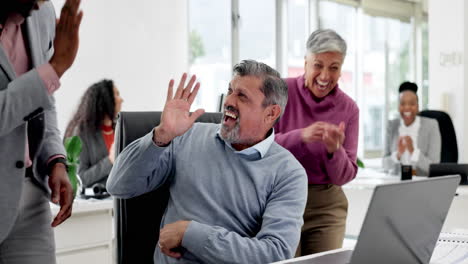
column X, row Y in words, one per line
column 73, row 147
column 360, row 164
column 73, row 177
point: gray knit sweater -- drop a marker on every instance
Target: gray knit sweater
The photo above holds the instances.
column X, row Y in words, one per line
column 243, row 209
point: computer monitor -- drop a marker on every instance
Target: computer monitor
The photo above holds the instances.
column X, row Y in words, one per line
column 443, row 169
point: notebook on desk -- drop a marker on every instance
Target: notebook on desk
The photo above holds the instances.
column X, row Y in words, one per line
column 402, row 224
column 443, row 169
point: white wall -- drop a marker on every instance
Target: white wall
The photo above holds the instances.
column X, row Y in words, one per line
column 139, row 44
column 448, row 75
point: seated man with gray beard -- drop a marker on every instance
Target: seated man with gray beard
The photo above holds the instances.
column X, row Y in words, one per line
column 235, row 195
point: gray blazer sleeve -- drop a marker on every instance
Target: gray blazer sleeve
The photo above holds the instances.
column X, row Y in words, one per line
column 95, row 165
column 388, row 163
column 430, row 153
column 98, row 172
column 20, row 99
column 23, row 97
column 52, row 142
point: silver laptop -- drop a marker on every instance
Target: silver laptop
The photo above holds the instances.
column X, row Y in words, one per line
column 402, row 224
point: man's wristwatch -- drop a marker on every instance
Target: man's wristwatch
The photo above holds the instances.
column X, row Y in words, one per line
column 51, row 164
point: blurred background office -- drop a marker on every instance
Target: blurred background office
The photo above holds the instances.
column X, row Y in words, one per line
column 142, row 45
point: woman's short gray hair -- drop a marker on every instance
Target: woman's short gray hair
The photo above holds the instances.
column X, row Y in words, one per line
column 326, row 40
column 274, row 88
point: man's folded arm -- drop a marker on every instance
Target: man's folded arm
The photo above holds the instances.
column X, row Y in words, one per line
column 277, row 239
column 141, row 167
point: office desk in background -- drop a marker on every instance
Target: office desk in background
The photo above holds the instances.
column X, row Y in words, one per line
column 359, row 192
column 87, row 236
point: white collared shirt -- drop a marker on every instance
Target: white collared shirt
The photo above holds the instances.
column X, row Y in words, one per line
column 260, row 148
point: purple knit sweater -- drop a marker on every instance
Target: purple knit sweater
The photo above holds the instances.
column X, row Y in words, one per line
column 302, row 110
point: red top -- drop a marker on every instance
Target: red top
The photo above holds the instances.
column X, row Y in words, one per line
column 108, row 135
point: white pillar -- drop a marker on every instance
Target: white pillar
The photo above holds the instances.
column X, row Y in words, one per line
column 448, row 55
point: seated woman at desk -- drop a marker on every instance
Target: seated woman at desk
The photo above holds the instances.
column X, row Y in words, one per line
column 411, row 139
column 94, row 123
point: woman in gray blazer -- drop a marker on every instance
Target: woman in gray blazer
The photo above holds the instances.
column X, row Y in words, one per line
column 94, row 123
column 411, row 139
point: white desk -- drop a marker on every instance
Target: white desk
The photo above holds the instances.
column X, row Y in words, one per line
column 312, row 256
column 359, row 192
column 87, row 236
column 441, row 255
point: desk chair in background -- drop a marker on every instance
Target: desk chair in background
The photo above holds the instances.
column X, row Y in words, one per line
column 449, row 150
column 137, row 220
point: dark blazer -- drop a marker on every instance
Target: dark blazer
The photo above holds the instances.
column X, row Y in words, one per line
column 429, row 145
column 25, row 105
column 95, row 165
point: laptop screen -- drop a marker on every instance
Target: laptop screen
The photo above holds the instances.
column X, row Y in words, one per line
column 404, row 220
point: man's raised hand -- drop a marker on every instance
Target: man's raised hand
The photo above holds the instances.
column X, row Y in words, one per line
column 66, row 37
column 176, row 118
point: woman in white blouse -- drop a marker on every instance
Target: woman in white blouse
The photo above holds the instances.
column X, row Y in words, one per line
column 411, row 139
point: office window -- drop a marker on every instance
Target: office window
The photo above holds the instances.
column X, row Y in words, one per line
column 210, row 49
column 257, row 31
column 385, row 66
column 425, row 66
column 297, row 36
column 398, row 60
column 342, row 19
column 373, row 85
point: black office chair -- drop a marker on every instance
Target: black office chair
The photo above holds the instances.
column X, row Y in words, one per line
column 137, row 220
column 449, row 151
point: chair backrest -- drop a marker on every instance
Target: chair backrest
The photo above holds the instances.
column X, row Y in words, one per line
column 137, row 220
column 449, row 150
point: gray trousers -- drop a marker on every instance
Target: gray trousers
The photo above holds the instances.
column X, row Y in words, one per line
column 31, row 240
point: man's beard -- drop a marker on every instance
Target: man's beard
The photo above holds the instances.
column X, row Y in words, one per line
column 231, row 136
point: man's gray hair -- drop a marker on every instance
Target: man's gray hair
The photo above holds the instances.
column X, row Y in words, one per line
column 326, row 40
column 274, row 88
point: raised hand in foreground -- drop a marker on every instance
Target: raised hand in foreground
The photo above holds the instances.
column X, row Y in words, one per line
column 176, row 118
column 66, row 40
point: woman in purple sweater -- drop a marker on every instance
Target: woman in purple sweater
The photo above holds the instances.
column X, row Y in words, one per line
column 320, row 127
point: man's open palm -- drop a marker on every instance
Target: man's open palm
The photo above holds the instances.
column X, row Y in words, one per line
column 176, row 118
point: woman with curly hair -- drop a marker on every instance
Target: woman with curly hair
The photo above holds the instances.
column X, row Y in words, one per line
column 94, row 123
